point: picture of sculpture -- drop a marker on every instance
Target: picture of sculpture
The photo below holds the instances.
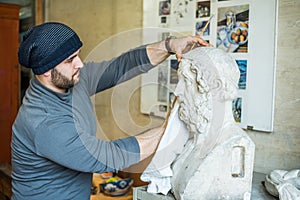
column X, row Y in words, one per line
column 216, row 162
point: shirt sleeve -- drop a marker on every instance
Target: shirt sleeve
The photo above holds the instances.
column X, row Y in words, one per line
column 106, row 74
column 63, row 144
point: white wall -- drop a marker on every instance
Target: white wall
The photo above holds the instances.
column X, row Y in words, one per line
column 281, row 149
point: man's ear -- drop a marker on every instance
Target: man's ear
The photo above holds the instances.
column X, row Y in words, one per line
column 47, row 73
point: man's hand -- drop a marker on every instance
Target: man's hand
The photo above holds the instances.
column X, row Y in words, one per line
column 157, row 52
column 185, row 44
column 149, row 141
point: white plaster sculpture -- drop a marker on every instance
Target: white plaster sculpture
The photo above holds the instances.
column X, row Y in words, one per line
column 217, row 161
column 284, row 184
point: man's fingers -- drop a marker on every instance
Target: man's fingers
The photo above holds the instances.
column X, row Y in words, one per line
column 202, row 42
column 179, row 57
column 191, row 42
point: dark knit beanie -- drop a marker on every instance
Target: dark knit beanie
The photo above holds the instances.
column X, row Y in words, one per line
column 46, row 45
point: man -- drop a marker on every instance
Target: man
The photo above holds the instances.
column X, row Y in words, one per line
column 54, row 148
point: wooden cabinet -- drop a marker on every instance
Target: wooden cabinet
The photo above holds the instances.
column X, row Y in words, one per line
column 9, row 75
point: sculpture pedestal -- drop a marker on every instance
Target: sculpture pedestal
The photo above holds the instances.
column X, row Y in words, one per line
column 140, row 193
column 224, row 173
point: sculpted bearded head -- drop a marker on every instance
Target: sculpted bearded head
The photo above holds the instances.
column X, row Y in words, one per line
column 205, row 74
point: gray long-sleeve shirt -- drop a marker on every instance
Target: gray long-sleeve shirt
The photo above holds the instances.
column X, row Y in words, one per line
column 54, row 144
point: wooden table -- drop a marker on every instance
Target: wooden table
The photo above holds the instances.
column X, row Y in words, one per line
column 100, row 196
column 5, row 186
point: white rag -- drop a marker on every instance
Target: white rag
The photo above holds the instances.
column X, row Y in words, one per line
column 159, row 171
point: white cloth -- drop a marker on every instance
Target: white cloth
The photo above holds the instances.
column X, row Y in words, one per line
column 159, row 171
column 288, row 191
column 284, row 184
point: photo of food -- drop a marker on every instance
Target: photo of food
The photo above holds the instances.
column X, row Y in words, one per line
column 233, row 28
column 243, row 73
column 237, row 109
column 239, row 35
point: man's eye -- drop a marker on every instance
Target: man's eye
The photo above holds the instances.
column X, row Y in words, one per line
column 69, row 60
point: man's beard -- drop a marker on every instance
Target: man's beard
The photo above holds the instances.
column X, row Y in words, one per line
column 61, row 81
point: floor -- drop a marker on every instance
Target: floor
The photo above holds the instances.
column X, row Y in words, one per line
column 258, row 190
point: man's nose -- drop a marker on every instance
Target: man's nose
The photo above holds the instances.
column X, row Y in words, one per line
column 78, row 63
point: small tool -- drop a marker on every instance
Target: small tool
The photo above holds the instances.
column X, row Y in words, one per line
column 203, row 30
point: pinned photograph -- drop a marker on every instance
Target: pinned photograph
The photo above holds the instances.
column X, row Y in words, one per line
column 173, row 72
column 199, row 26
column 237, row 109
column 232, row 28
column 162, row 80
column 164, row 7
column 203, row 9
column 243, row 73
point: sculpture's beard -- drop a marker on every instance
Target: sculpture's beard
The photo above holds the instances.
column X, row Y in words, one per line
column 188, row 117
column 196, row 115
column 61, row 81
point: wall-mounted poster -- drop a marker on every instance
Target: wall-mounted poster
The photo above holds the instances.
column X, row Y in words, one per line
column 243, row 73
column 173, row 72
column 237, row 109
column 164, row 7
column 203, row 9
column 199, row 26
column 232, row 28
column 182, row 11
column 162, row 80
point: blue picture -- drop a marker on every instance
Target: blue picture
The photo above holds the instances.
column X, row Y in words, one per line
column 237, row 109
column 243, row 73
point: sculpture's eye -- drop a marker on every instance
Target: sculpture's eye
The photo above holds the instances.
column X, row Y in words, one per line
column 193, row 69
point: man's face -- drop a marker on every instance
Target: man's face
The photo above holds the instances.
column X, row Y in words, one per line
column 66, row 74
